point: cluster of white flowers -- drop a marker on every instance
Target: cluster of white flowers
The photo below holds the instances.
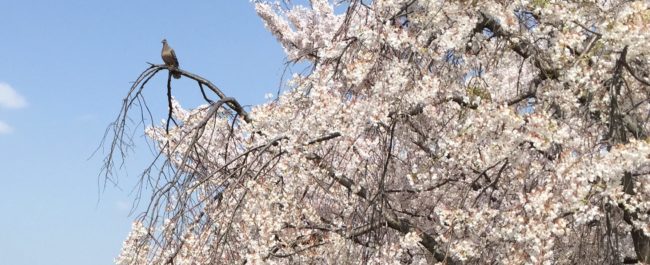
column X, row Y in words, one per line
column 134, row 250
column 427, row 131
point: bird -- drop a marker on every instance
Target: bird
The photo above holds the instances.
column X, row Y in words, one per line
column 169, row 57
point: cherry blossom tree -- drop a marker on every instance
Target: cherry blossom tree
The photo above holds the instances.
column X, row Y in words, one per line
column 451, row 132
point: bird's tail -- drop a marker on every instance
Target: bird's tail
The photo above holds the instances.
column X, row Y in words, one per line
column 176, row 74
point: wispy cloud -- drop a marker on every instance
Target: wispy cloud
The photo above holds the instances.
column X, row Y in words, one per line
column 5, row 128
column 10, row 99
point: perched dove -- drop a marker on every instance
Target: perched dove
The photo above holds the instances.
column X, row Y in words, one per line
column 169, row 57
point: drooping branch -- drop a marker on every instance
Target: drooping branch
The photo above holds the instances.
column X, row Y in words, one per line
column 169, row 101
column 234, row 105
column 121, row 141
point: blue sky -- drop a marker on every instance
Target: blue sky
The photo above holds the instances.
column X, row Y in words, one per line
column 64, row 68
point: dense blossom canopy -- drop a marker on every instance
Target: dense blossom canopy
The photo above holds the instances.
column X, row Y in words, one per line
column 459, row 132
